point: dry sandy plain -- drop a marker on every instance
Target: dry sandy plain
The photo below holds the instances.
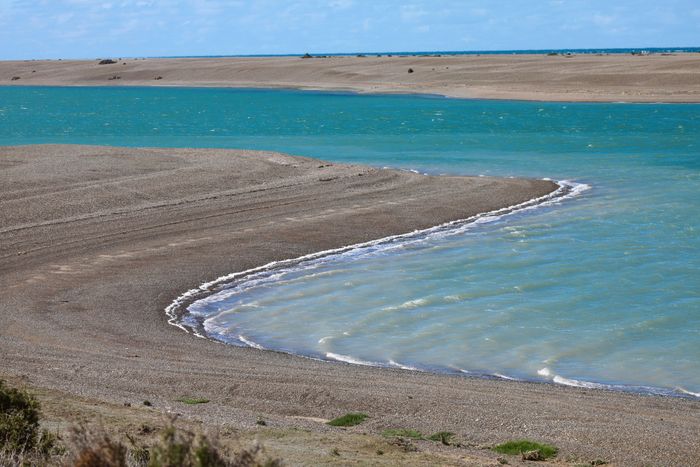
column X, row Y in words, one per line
column 629, row 78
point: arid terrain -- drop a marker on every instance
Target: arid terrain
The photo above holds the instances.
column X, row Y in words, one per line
column 595, row 78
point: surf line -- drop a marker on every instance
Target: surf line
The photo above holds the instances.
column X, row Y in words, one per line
column 177, row 311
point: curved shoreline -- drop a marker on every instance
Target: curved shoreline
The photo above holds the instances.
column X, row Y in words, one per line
column 178, row 308
column 111, row 235
column 180, row 316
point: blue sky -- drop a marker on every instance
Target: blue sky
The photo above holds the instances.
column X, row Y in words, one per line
column 101, row 28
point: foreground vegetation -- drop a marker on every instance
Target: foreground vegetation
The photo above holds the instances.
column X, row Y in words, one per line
column 20, row 434
column 23, row 442
column 141, row 437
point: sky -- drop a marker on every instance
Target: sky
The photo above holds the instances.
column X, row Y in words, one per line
column 36, row 29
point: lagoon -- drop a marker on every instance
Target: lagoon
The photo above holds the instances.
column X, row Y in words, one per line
column 601, row 289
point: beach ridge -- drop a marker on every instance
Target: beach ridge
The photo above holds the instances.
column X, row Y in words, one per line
column 115, row 234
column 568, row 78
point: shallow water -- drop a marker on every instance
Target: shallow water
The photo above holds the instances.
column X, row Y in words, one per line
column 602, row 288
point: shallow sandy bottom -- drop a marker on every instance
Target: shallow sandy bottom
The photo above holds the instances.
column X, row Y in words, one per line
column 95, row 242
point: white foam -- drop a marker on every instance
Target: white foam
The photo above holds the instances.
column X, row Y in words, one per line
column 408, row 305
column 509, row 378
column 323, row 340
column 403, row 367
column 547, row 373
column 567, row 189
column 578, row 383
column 250, row 343
column 349, row 359
column 685, row 391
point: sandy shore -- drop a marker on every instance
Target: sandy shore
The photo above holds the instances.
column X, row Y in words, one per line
column 95, row 242
column 650, row 78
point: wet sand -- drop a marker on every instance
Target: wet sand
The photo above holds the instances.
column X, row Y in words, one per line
column 95, row 242
column 596, row 78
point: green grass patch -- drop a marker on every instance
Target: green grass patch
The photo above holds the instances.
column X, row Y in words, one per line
column 523, row 445
column 444, row 437
column 402, row 433
column 192, row 400
column 350, row 419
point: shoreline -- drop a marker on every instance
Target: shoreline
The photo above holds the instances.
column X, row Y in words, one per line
column 576, row 78
column 97, row 242
column 180, row 317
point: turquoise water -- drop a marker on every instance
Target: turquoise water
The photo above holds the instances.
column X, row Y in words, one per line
column 602, row 288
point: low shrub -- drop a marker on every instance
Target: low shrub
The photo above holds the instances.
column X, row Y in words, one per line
column 96, row 449
column 19, row 423
column 176, row 448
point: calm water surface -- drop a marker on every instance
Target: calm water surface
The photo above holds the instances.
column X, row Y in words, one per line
column 603, row 288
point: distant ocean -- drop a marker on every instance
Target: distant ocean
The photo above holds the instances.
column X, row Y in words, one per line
column 600, row 290
column 637, row 50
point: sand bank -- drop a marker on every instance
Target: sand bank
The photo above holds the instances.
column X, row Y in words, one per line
column 603, row 78
column 95, row 242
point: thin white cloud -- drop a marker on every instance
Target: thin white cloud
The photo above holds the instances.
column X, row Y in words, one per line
column 341, row 4
column 602, row 20
column 412, row 12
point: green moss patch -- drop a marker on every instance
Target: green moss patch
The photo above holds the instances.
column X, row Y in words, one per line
column 521, row 446
column 350, row 419
column 192, row 400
